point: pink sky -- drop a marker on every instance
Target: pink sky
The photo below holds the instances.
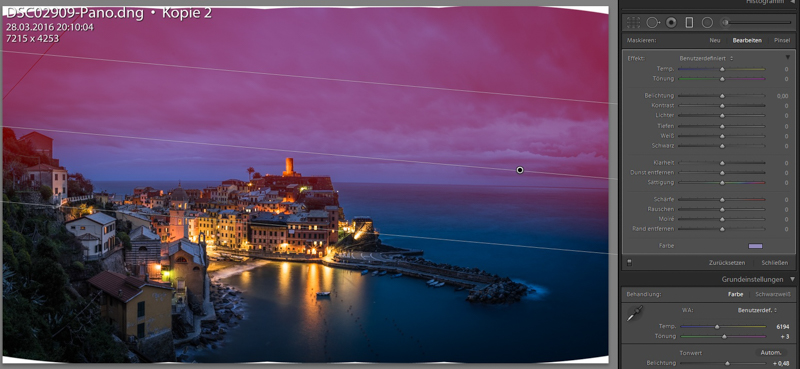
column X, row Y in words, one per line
column 527, row 51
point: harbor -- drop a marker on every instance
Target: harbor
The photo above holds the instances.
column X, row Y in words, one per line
column 406, row 263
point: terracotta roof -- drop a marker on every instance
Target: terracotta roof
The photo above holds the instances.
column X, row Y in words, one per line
column 112, row 283
column 44, row 168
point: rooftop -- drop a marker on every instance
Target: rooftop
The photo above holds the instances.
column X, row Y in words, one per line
column 98, row 218
column 317, row 214
column 88, row 237
column 143, row 233
column 44, row 168
column 34, row 134
column 189, row 247
column 130, row 287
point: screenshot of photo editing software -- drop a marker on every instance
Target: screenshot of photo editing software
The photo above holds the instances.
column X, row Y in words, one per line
column 524, row 183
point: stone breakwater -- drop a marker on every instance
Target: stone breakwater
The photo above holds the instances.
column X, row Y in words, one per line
column 504, row 291
column 421, row 261
column 497, row 291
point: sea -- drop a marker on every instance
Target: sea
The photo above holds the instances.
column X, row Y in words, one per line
column 553, row 240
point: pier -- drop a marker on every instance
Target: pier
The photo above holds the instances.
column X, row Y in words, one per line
column 379, row 262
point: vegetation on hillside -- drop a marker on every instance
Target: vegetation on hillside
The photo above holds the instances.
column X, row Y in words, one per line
column 44, row 318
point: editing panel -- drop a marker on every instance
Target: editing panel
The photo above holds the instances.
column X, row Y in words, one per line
column 708, row 184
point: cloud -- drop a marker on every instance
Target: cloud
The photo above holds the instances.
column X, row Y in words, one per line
column 526, row 51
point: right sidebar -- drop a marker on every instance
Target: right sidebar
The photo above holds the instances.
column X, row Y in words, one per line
column 709, row 170
column 708, row 185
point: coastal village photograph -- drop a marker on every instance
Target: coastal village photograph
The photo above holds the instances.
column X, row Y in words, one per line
column 166, row 204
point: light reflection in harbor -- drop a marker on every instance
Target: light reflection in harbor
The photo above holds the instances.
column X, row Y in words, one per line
column 311, row 320
column 246, row 279
column 327, row 278
column 283, row 280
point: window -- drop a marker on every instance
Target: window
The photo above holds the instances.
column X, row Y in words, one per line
column 83, row 228
column 140, row 309
column 63, row 177
column 181, row 260
column 55, row 177
column 140, row 328
column 56, row 189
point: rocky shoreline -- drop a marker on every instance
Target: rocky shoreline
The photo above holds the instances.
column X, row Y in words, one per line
column 227, row 301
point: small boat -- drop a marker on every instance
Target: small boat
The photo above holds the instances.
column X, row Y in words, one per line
column 382, row 273
column 398, row 275
column 323, row 294
column 440, row 284
column 431, row 281
column 461, row 288
column 365, row 271
column 375, row 273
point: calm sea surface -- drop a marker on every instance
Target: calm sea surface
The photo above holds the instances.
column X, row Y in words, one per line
column 402, row 320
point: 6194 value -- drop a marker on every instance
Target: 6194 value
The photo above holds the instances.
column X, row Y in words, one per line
column 26, row 39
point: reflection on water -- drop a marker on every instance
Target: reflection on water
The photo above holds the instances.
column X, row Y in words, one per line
column 311, row 310
column 245, row 281
column 283, row 280
column 380, row 319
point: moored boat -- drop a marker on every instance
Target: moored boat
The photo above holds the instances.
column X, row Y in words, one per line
column 398, row 275
column 365, row 271
column 323, row 294
column 382, row 273
column 440, row 284
column 375, row 273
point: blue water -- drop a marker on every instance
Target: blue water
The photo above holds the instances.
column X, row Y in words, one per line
column 403, row 320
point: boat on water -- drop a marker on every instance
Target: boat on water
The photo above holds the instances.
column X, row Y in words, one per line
column 431, row 281
column 365, row 271
column 440, row 284
column 398, row 275
column 461, row 288
column 375, row 273
column 323, row 294
column 382, row 273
